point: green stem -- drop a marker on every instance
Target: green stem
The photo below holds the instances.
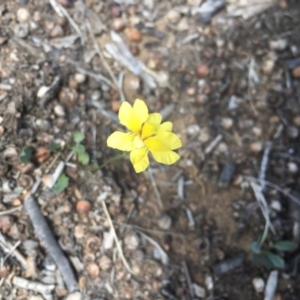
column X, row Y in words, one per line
column 114, row 158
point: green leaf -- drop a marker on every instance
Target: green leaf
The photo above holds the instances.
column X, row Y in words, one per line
column 25, row 155
column 255, row 247
column 83, row 158
column 61, row 184
column 261, row 260
column 54, row 147
column 276, row 260
column 79, row 149
column 283, row 246
column 78, row 137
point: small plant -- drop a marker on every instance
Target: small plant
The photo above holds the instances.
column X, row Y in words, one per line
column 79, row 149
column 26, row 155
column 266, row 257
column 61, row 184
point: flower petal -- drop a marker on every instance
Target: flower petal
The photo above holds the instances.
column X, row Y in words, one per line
column 154, row 118
column 165, row 157
column 148, row 130
column 122, row 141
column 138, row 115
column 166, row 126
column 125, row 112
column 163, row 141
column 139, row 159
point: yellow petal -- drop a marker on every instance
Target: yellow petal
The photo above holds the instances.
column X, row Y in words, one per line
column 156, row 144
column 139, row 159
column 125, row 112
column 138, row 116
column 148, row 130
column 166, row 157
column 122, row 141
column 166, row 126
column 171, row 139
column 154, row 118
column 163, row 141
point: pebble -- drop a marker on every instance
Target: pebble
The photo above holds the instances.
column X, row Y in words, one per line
column 276, row 205
column 296, row 121
column 75, row 295
column 57, row 31
column 42, row 91
column 227, row 123
column 292, row 167
column 256, row 147
column 183, row 25
column 118, row 24
column 199, row 291
column 42, row 154
column 173, row 16
column 105, row 263
column 191, row 91
column 154, row 63
column 193, row 129
column 202, row 71
column 133, row 34
column 164, row 221
column 93, row 269
column 134, row 49
column 59, row 110
column 293, row 132
column 296, row 72
column 132, row 241
column 258, row 284
column 21, row 30
column 280, row 44
column 83, row 207
column 80, row 78
column 115, row 105
column 6, row 223
column 23, row 15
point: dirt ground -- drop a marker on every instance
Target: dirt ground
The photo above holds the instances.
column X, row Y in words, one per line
column 226, row 74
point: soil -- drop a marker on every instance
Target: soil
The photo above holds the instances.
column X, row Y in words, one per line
column 230, row 87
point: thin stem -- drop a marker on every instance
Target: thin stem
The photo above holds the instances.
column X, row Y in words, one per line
column 114, row 158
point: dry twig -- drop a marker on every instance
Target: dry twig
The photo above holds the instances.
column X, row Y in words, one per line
column 116, row 238
column 47, row 239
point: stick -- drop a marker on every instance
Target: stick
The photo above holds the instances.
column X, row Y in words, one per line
column 213, row 144
column 264, row 165
column 116, row 238
column 156, row 192
column 32, row 285
column 47, row 239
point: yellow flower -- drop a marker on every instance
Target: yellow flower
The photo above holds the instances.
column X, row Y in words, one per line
column 147, row 133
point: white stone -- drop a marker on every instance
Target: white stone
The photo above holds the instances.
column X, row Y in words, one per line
column 258, row 284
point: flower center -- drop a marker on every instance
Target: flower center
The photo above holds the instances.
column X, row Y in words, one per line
column 138, row 142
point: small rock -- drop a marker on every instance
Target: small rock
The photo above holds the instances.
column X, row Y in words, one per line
column 227, row 123
column 42, row 91
column 105, row 263
column 278, row 44
column 183, row 25
column 93, row 269
column 276, row 205
column 209, row 282
column 79, row 231
column 134, row 35
column 132, row 241
column 83, row 208
column 191, row 91
column 75, row 295
column 118, row 24
column 258, row 284
column 268, row 66
column 293, row 132
column 66, row 3
column 21, row 30
column 199, row 291
column 164, row 221
column 115, row 105
column 173, row 16
column 59, row 110
column 80, row 78
column 292, row 167
column 6, row 223
column 256, row 147
column 193, row 129
column 296, row 121
column 154, row 63
column 57, row 31
column 115, row 10
column 202, row 71
column 296, row 72
column 132, row 82
column 23, row 15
